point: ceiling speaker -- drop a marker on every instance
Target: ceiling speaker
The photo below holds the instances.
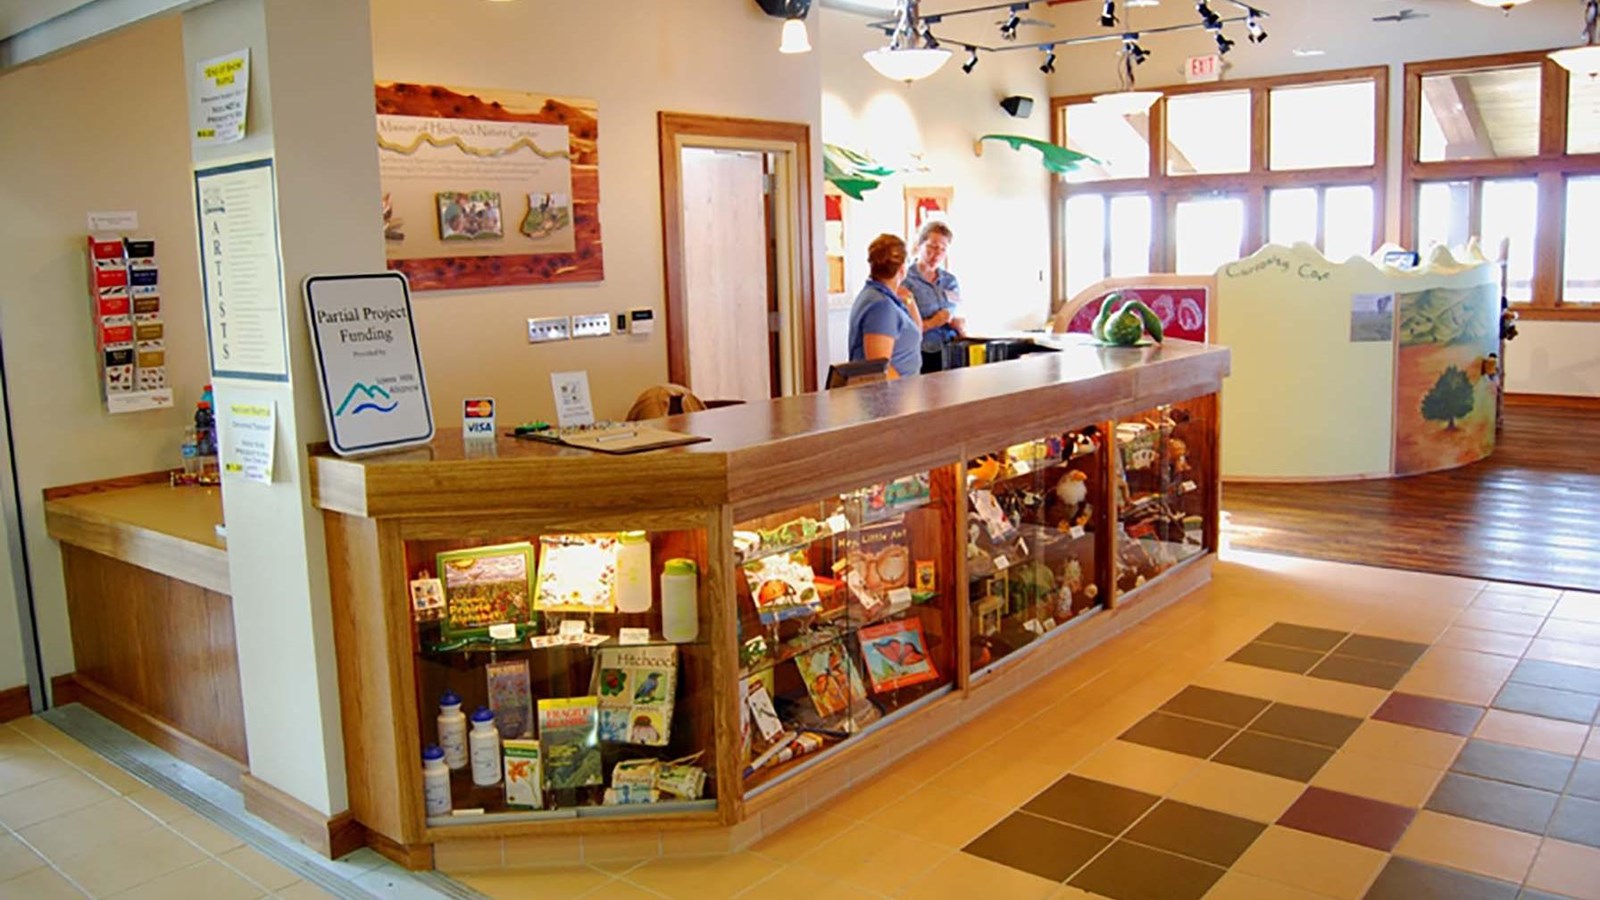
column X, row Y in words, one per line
column 1017, row 107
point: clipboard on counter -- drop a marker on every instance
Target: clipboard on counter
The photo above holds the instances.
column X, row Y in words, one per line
column 619, row 439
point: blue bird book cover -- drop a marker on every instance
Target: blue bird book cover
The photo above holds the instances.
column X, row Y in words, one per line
column 636, row 687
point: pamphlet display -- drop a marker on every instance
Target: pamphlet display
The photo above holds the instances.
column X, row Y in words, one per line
column 130, row 335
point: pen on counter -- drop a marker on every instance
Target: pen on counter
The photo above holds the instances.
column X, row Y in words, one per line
column 615, row 437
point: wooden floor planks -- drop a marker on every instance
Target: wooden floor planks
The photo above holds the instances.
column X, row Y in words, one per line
column 1529, row 514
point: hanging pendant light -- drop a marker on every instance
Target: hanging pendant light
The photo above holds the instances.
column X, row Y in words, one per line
column 1506, row 5
column 912, row 53
column 795, row 39
column 1127, row 100
column 1584, row 60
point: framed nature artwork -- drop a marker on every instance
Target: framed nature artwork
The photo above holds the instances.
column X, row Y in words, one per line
column 833, row 238
column 487, row 187
column 924, row 205
column 485, row 586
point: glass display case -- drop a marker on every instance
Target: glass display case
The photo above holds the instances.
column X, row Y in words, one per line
column 1035, row 514
column 845, row 611
column 1164, row 473
column 586, row 651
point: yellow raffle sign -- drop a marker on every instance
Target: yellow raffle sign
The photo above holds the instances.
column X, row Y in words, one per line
column 222, row 99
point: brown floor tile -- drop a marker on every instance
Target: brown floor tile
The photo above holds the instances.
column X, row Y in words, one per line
column 1548, row 702
column 1586, row 780
column 1178, row 734
column 1313, row 726
column 1430, row 713
column 1577, row 820
column 1272, row 656
column 1516, row 765
column 1095, row 805
column 1387, row 650
column 1351, row 670
column 1131, row 872
column 1495, row 802
column 1197, row 833
column 1038, row 846
column 1346, row 817
column 1274, row 756
column 1302, row 636
column 1557, row 675
column 1215, row 706
column 1406, row 879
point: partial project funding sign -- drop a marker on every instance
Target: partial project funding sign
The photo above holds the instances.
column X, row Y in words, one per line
column 374, row 395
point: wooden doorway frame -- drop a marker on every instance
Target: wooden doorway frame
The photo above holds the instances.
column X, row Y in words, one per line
column 796, row 268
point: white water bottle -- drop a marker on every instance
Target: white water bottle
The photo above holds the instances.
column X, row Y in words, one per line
column 435, row 782
column 485, row 744
column 680, row 590
column 633, row 572
column 452, row 731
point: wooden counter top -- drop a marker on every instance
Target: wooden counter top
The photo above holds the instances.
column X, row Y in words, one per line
column 170, row 530
column 762, row 453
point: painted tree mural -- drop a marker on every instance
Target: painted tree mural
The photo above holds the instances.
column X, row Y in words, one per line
column 1449, row 399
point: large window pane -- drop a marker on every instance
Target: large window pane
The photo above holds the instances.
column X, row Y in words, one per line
column 1086, row 241
column 1583, row 115
column 1130, row 235
column 1292, row 216
column 1121, row 144
column 1324, row 125
column 1208, row 134
column 1207, row 233
column 1511, row 214
column 1347, row 228
column 1583, row 236
column 1444, row 210
column 1488, row 114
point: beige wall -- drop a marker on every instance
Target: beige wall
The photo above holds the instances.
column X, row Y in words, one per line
column 635, row 59
column 1000, row 212
column 103, row 127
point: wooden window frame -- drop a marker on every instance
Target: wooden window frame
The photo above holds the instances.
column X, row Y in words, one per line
column 1552, row 167
column 1253, row 184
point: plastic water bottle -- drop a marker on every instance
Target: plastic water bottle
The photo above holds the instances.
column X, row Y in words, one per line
column 485, row 744
column 680, row 591
column 452, row 731
column 435, row 781
column 633, row 572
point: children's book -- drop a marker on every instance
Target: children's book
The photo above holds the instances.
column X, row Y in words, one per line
column 783, row 586
column 523, row 779
column 569, row 739
column 577, row 573
column 510, row 698
column 636, row 687
column 879, row 558
column 896, row 655
column 831, row 678
column 485, row 586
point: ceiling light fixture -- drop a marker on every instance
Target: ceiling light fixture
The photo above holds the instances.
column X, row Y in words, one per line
column 908, row 57
column 1127, row 100
column 1585, row 59
column 1049, row 67
column 793, row 13
column 1506, row 5
column 1208, row 16
column 1252, row 24
column 1108, row 14
column 1008, row 28
column 795, row 39
column 1223, row 44
column 972, row 60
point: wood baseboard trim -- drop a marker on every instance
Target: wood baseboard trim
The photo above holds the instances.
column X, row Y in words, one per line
column 415, row 857
column 332, row 836
column 15, row 703
column 1554, row 401
column 73, row 688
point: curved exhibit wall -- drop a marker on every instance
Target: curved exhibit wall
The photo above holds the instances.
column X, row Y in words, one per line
column 1356, row 369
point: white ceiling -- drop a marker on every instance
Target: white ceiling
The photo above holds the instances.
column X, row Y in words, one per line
column 20, row 15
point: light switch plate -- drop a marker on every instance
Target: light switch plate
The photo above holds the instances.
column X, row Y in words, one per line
column 552, row 328
column 594, row 325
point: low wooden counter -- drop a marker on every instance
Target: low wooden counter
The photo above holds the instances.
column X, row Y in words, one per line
column 152, row 619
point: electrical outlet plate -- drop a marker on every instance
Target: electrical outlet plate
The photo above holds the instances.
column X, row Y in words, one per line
column 594, row 325
column 552, row 328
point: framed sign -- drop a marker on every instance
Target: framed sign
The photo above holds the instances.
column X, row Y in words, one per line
column 374, row 395
column 241, row 273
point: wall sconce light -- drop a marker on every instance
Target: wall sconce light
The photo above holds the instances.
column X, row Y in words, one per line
column 793, row 12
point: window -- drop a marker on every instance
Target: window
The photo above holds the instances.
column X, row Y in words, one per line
column 1504, row 149
column 1212, row 170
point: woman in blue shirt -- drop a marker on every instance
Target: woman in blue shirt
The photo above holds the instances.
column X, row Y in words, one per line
column 882, row 324
column 937, row 294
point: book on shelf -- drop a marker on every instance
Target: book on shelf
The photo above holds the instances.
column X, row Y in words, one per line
column 485, row 586
column 636, row 687
column 895, row 655
column 524, row 786
column 569, row 739
column 830, row 678
column 878, row 565
column 783, row 586
column 510, row 697
column 577, row 573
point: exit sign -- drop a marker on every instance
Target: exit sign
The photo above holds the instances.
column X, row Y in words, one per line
column 1204, row 68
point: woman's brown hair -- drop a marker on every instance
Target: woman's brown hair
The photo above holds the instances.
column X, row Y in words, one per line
column 886, row 255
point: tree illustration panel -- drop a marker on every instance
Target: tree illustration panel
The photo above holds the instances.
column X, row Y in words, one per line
column 1444, row 409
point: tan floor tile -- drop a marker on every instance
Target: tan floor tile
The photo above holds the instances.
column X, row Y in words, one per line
column 998, row 780
column 1419, row 628
column 111, row 776
column 210, row 880
column 1569, row 652
column 1577, row 631
column 810, row 832
column 1470, row 846
column 258, row 868
column 1474, row 690
column 16, row 858
column 1239, row 886
column 50, row 799
column 206, row 834
column 29, row 766
column 131, row 861
column 554, row 850
column 160, row 805
column 599, row 848
column 619, row 889
column 1591, row 750
column 711, row 877
column 861, row 802
column 1493, row 620
column 804, row 884
column 1503, row 601
column 942, row 816
column 1335, row 696
column 1311, row 862
column 1524, row 590
column 303, row 890
column 1240, row 792
column 1537, row 732
column 1252, row 681
column 1568, row 869
column 874, row 858
column 1402, row 743
column 555, row 883
column 1137, row 766
column 1578, row 606
column 963, row 876
column 40, row 884
column 1394, row 782
column 1060, row 748
column 89, row 828
column 1497, row 642
column 1458, row 663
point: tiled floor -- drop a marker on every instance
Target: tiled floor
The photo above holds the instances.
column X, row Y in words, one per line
column 1297, row 730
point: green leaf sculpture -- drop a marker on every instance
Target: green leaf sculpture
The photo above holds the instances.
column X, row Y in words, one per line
column 852, row 173
column 1057, row 159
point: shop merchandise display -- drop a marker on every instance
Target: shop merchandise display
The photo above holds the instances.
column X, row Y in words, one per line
column 130, row 335
column 483, row 746
column 1160, row 502
column 435, row 781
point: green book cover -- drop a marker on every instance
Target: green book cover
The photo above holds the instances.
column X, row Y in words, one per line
column 569, row 735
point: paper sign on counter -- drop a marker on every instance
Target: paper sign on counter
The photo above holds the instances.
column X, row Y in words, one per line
column 252, row 433
column 573, row 406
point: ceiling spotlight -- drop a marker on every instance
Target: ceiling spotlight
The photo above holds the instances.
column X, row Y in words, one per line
column 1130, row 46
column 972, row 60
column 1049, row 67
column 1223, row 44
column 925, row 31
column 1008, row 28
column 1207, row 15
column 1108, row 14
column 1252, row 22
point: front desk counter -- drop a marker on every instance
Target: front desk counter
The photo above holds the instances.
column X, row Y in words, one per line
column 875, row 566
column 152, row 616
